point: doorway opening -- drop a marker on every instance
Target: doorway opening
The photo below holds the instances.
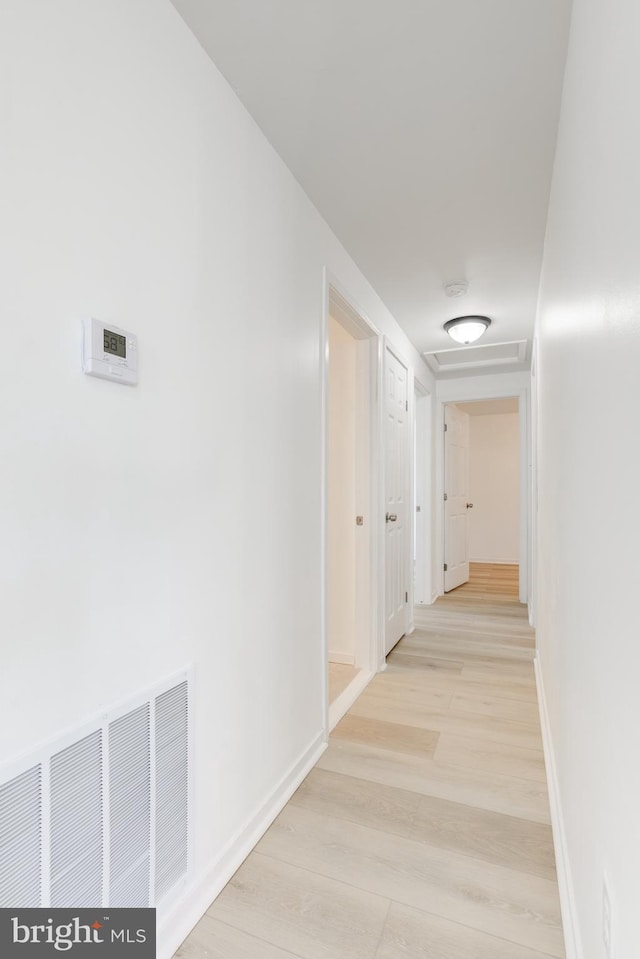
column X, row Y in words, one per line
column 351, row 491
column 482, row 499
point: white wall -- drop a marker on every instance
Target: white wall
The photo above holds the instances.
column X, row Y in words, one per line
column 179, row 521
column 341, row 495
column 589, row 470
column 494, row 485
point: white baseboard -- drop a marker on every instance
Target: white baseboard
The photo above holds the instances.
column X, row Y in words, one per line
column 573, row 947
column 428, row 602
column 343, row 658
column 175, row 925
column 348, row 696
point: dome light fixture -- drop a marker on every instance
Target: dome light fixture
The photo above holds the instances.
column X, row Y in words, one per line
column 467, row 329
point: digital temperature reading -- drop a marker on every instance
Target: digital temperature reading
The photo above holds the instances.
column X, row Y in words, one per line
column 114, row 343
column 109, row 352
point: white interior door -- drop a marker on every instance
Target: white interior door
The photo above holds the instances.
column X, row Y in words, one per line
column 397, row 532
column 456, row 491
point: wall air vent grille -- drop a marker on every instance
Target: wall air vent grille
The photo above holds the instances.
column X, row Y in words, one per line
column 20, row 840
column 130, row 808
column 101, row 818
column 172, row 772
column 76, row 824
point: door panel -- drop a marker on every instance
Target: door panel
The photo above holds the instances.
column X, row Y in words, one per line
column 456, row 486
column 397, row 534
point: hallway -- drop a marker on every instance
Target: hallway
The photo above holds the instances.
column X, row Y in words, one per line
column 423, row 832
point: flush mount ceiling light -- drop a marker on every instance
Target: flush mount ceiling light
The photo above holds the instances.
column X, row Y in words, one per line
column 467, row 329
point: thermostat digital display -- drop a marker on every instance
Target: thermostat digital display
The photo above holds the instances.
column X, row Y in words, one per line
column 109, row 352
column 114, row 343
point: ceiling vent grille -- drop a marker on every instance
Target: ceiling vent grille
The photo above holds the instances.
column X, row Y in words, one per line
column 102, row 817
column 482, row 358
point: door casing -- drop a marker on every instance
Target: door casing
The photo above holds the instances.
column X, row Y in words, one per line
column 369, row 596
column 470, row 390
column 420, row 585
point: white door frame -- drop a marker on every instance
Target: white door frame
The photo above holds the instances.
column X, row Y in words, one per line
column 369, row 485
column 470, row 392
column 533, row 478
column 420, row 425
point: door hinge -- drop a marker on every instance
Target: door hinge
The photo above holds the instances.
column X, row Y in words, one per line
column 406, row 405
column 445, row 427
column 445, row 497
column 406, row 597
column 445, row 567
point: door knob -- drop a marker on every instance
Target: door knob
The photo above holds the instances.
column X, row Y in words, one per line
column 469, row 505
column 391, row 517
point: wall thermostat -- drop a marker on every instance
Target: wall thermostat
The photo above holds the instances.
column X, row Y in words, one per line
column 109, row 352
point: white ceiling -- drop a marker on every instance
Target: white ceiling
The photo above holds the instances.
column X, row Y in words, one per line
column 424, row 132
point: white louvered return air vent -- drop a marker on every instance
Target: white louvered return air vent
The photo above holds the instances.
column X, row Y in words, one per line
column 102, row 818
column 20, row 843
column 130, row 809
column 76, row 824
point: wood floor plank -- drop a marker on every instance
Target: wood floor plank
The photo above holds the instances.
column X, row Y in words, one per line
column 518, row 844
column 357, row 800
column 522, row 798
column 413, row 934
column 519, row 670
column 477, row 703
column 503, row 662
column 500, row 686
column 495, row 630
column 301, row 911
column 417, row 659
column 501, row 758
column 386, row 735
column 522, row 908
column 462, row 616
column 451, row 644
column 340, row 675
column 412, row 686
column 212, row 939
column 447, row 720
column 420, row 688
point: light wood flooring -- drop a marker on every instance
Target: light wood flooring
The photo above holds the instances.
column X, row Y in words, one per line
column 487, row 580
column 340, row 676
column 423, row 832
